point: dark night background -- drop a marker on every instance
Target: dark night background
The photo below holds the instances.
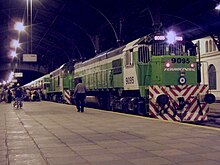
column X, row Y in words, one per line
column 67, row 30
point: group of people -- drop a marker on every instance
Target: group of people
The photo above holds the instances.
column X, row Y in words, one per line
column 25, row 94
column 5, row 95
column 9, row 94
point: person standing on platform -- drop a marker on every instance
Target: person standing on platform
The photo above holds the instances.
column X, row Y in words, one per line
column 18, row 97
column 9, row 96
column 80, row 95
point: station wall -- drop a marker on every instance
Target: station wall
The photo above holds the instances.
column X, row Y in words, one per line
column 210, row 64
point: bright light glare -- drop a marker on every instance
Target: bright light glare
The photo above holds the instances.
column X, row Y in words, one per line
column 4, row 82
column 13, row 54
column 171, row 37
column 192, row 65
column 167, row 65
column 10, row 77
column 19, row 26
column 217, row 7
column 15, row 44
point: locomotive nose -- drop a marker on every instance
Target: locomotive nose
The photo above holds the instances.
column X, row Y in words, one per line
column 209, row 98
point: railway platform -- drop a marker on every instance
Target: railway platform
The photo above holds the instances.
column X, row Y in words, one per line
column 46, row 133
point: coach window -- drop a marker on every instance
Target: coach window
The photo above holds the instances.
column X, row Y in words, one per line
column 129, row 58
column 212, row 77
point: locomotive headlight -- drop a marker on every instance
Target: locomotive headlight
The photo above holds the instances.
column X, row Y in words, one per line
column 171, row 37
column 192, row 65
column 167, row 65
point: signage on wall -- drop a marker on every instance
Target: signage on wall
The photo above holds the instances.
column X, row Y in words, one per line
column 29, row 58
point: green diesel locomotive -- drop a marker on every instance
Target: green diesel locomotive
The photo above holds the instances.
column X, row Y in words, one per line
column 156, row 75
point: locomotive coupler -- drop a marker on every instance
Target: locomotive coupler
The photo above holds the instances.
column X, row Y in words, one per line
column 181, row 106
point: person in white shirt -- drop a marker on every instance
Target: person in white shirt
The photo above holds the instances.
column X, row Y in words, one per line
column 80, row 94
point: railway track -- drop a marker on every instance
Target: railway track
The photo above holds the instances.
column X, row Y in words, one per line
column 213, row 116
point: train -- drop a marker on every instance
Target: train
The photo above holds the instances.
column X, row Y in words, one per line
column 157, row 75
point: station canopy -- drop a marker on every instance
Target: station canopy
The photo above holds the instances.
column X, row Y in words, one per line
column 59, row 31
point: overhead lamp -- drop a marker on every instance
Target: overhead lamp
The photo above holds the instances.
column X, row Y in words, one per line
column 19, row 26
column 13, row 54
column 217, row 7
column 15, row 44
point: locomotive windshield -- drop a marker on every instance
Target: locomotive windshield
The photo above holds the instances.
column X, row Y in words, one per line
column 163, row 48
column 171, row 44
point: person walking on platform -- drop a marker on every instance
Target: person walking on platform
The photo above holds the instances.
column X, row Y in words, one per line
column 80, row 94
column 18, row 97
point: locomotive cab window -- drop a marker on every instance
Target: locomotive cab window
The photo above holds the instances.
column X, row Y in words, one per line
column 176, row 49
column 129, row 58
column 143, row 54
column 158, row 49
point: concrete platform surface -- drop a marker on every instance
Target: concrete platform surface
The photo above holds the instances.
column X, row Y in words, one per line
column 45, row 133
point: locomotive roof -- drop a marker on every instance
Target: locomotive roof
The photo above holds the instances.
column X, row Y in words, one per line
column 100, row 57
column 57, row 70
column 110, row 53
column 40, row 78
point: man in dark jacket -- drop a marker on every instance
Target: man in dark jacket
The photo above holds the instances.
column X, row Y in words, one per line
column 18, row 96
column 80, row 94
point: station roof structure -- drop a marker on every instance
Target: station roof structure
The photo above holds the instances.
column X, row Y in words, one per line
column 59, row 31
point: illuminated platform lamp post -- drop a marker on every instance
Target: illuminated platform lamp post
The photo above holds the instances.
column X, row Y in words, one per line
column 29, row 57
column 19, row 26
column 15, row 44
column 13, row 54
